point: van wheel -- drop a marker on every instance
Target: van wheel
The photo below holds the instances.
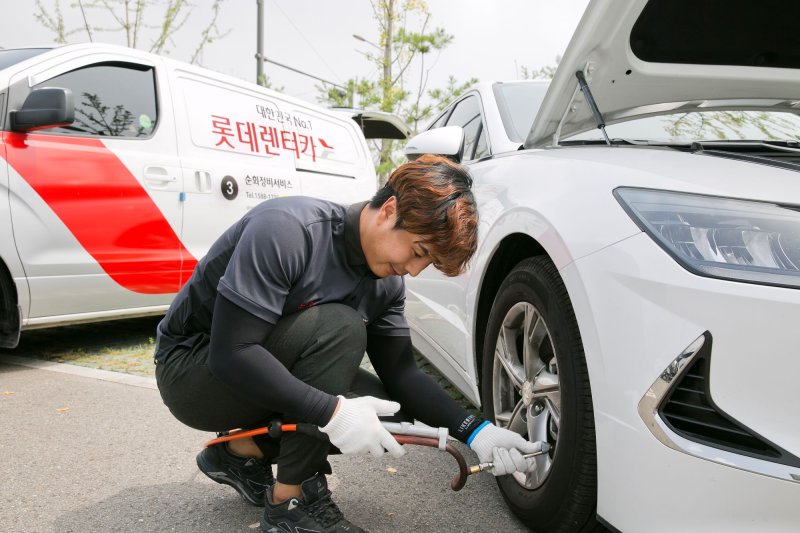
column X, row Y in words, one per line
column 10, row 314
column 535, row 382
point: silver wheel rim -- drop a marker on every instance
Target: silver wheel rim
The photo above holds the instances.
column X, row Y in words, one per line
column 526, row 391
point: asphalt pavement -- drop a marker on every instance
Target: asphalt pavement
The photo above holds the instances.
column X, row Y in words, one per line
column 90, row 450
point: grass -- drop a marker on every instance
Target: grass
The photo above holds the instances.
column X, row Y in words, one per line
column 127, row 346
column 119, row 346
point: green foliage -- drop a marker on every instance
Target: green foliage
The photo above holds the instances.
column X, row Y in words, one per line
column 264, row 81
column 404, row 42
column 54, row 22
column 128, row 17
column 422, row 42
column 444, row 95
column 544, row 73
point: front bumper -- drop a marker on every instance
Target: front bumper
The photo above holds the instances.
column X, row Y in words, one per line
column 638, row 310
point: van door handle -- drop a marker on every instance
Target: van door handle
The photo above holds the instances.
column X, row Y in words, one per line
column 159, row 176
column 202, row 181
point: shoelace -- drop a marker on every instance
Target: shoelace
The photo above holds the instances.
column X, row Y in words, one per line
column 325, row 511
column 257, row 469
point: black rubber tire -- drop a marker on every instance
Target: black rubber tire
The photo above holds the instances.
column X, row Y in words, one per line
column 10, row 314
column 567, row 500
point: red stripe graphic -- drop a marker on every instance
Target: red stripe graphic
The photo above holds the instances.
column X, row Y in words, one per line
column 105, row 208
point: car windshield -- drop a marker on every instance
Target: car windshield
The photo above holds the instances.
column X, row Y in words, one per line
column 704, row 126
column 518, row 104
column 11, row 57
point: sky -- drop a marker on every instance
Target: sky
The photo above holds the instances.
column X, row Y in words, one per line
column 492, row 39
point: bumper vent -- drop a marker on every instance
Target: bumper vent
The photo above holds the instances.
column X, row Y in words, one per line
column 690, row 412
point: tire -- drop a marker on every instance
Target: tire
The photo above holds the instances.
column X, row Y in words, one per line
column 10, row 313
column 549, row 398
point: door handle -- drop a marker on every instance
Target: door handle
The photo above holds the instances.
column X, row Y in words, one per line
column 202, row 181
column 159, row 176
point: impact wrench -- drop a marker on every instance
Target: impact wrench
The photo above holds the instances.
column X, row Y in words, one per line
column 403, row 432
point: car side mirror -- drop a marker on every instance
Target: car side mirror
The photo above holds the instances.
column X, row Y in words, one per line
column 47, row 107
column 447, row 141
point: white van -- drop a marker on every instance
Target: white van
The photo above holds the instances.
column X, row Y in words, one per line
column 119, row 168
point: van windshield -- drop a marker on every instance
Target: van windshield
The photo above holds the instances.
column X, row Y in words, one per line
column 12, row 57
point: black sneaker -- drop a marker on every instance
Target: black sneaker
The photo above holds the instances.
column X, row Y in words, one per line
column 315, row 512
column 248, row 475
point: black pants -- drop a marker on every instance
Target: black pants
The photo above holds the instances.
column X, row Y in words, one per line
column 322, row 346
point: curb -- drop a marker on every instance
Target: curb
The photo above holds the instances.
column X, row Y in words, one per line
column 94, row 373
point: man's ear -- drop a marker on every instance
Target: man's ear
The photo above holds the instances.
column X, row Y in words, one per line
column 388, row 211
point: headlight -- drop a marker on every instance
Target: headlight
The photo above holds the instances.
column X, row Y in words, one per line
column 739, row 240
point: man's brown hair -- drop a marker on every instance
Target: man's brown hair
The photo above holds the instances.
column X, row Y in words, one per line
column 435, row 201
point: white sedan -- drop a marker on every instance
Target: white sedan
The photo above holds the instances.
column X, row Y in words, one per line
column 635, row 297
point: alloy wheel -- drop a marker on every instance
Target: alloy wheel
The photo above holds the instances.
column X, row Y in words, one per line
column 526, row 391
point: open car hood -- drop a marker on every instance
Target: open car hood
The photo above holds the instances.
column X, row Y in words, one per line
column 643, row 58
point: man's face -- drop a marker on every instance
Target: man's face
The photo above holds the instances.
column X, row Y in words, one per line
column 390, row 251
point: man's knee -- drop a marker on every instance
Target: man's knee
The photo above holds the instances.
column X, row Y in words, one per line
column 344, row 322
column 332, row 326
column 342, row 334
column 334, row 346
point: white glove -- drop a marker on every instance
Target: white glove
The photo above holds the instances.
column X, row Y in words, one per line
column 508, row 461
column 355, row 428
column 504, row 448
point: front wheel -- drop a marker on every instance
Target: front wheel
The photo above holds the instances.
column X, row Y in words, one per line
column 10, row 311
column 535, row 383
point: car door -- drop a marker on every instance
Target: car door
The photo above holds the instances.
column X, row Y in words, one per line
column 241, row 144
column 440, row 315
column 95, row 204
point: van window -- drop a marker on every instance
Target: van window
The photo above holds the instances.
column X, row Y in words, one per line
column 111, row 100
column 12, row 57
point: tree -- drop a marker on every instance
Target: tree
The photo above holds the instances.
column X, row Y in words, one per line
column 128, row 17
column 264, row 81
column 545, row 73
column 730, row 125
column 93, row 116
column 401, row 48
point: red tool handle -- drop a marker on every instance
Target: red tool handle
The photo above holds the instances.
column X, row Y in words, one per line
column 457, row 483
column 238, row 434
column 460, row 479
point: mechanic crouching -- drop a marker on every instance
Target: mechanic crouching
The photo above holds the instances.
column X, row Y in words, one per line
column 274, row 323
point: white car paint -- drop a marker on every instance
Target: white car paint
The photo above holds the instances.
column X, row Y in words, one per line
column 627, row 87
column 179, row 170
column 637, row 308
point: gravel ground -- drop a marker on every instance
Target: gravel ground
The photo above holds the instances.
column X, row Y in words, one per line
column 127, row 346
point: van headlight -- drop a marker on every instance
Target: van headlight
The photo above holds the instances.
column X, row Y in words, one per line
column 740, row 240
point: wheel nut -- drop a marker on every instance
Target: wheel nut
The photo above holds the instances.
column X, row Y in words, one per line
column 538, row 407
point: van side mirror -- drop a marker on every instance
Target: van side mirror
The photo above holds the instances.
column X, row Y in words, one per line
column 47, row 107
column 447, row 141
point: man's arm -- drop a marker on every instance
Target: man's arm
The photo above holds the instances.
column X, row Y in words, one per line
column 238, row 358
column 425, row 400
column 418, row 394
